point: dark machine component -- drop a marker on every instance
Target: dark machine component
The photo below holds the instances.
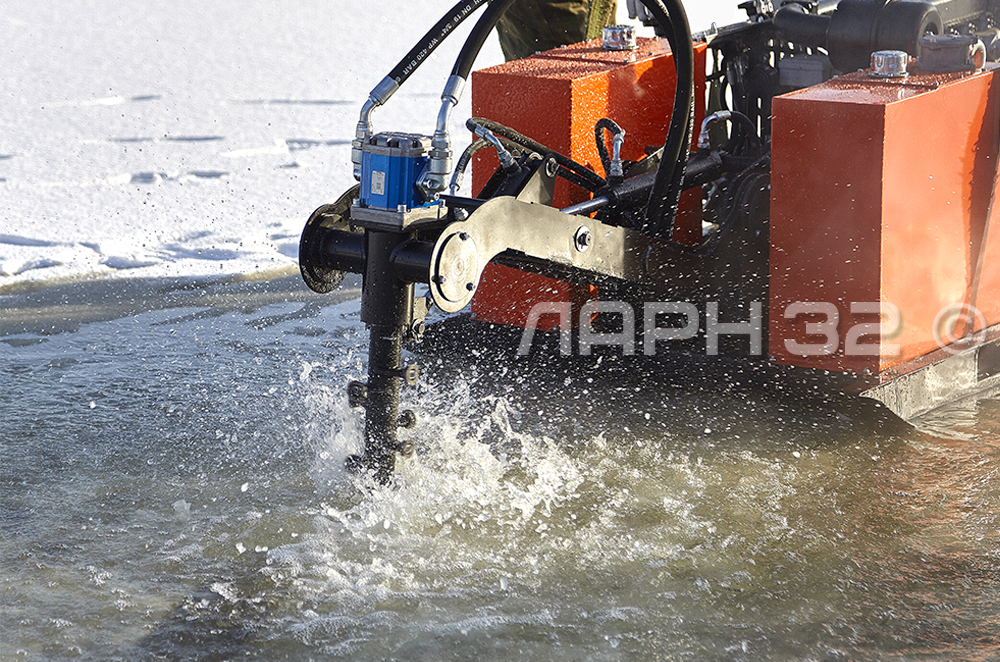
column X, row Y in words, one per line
column 853, row 29
column 325, row 256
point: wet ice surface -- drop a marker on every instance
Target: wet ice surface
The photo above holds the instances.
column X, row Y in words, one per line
column 170, row 466
column 172, row 489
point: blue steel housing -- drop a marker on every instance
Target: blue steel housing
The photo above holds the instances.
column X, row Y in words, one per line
column 391, row 162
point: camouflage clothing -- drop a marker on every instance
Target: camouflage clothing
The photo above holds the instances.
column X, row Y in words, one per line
column 530, row 26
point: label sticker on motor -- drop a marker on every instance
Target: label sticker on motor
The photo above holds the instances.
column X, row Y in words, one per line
column 378, row 182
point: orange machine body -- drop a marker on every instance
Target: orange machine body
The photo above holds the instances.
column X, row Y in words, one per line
column 882, row 195
column 556, row 98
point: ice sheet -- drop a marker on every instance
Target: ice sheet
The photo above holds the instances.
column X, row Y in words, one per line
column 194, row 139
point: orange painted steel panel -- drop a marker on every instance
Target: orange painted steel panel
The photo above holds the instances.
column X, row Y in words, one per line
column 556, row 98
column 879, row 193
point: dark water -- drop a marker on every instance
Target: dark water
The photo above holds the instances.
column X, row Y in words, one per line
column 171, row 488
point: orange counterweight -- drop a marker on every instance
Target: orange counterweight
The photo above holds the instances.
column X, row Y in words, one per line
column 556, row 98
column 881, row 193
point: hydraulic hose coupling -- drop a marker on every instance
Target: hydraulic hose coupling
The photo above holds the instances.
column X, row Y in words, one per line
column 435, row 177
column 720, row 116
column 616, row 155
column 613, row 165
column 507, row 161
column 378, row 96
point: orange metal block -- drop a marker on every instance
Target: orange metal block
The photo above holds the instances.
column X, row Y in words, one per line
column 880, row 192
column 556, row 98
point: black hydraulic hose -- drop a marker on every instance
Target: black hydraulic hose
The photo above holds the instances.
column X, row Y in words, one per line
column 474, row 43
column 592, row 179
column 437, row 34
column 470, row 151
column 665, row 196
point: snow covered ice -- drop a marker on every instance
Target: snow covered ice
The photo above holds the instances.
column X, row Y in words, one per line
column 194, row 139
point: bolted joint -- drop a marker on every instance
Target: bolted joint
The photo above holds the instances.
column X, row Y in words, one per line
column 410, row 374
column 407, row 419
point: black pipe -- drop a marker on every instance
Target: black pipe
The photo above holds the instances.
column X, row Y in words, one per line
column 634, row 192
column 411, row 261
column 474, row 43
column 795, row 24
column 341, row 250
column 430, row 41
column 386, row 308
column 665, row 195
column 385, row 349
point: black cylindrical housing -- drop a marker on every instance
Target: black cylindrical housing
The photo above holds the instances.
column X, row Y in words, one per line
column 327, row 249
column 386, row 300
column 860, row 27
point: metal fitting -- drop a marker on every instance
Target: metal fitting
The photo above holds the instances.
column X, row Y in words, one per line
column 378, row 96
column 889, row 64
column 434, row 180
column 618, row 38
column 617, row 140
column 507, row 161
column 720, row 116
column 951, row 52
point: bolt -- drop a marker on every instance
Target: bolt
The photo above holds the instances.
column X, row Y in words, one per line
column 464, row 236
column 551, row 167
column 438, row 279
column 407, row 419
column 470, row 286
